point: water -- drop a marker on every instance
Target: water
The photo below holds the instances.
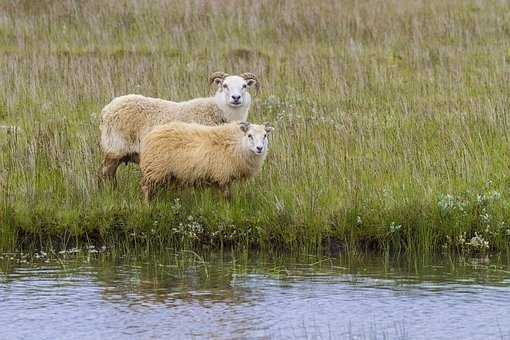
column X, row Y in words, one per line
column 181, row 295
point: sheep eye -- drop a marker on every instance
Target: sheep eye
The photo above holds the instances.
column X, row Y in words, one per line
column 250, row 136
column 244, row 86
column 224, row 86
column 265, row 136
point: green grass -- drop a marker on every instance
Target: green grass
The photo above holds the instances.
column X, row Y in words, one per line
column 391, row 119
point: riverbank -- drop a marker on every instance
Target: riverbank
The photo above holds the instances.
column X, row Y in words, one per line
column 469, row 224
column 391, row 123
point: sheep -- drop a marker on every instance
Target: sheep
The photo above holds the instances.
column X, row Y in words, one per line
column 126, row 119
column 194, row 154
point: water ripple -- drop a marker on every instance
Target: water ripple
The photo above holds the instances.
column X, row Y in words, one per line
column 128, row 301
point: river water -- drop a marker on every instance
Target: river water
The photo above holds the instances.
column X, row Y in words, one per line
column 183, row 295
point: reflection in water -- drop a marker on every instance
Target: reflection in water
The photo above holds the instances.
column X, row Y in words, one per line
column 182, row 296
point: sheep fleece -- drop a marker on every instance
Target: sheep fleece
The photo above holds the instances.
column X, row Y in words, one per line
column 128, row 118
column 193, row 153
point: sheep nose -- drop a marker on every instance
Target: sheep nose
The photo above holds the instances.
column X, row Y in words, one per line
column 236, row 98
column 259, row 148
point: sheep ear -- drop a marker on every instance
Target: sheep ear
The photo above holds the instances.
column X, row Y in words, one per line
column 251, row 82
column 244, row 126
column 268, row 127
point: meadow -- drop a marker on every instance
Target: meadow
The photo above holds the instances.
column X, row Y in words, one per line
column 391, row 122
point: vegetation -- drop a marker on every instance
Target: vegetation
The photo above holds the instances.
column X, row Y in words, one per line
column 391, row 122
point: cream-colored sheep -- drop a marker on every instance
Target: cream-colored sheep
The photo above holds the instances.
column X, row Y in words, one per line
column 191, row 154
column 125, row 120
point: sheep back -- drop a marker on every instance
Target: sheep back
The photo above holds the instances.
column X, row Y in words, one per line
column 128, row 118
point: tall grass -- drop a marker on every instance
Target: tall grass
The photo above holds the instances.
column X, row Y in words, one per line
column 391, row 121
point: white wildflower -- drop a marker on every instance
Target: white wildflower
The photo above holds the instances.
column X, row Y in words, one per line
column 394, row 227
column 478, row 242
column 461, row 239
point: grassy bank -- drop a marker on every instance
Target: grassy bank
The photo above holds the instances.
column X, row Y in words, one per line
column 391, row 119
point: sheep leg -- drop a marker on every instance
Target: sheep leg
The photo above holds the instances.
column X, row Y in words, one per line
column 225, row 192
column 109, row 168
column 147, row 191
column 135, row 158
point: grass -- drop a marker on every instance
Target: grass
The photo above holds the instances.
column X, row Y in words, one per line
column 391, row 119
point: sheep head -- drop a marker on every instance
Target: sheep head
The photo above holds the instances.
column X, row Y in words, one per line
column 255, row 137
column 233, row 89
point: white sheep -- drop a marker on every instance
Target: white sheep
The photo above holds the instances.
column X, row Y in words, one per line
column 190, row 154
column 125, row 120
